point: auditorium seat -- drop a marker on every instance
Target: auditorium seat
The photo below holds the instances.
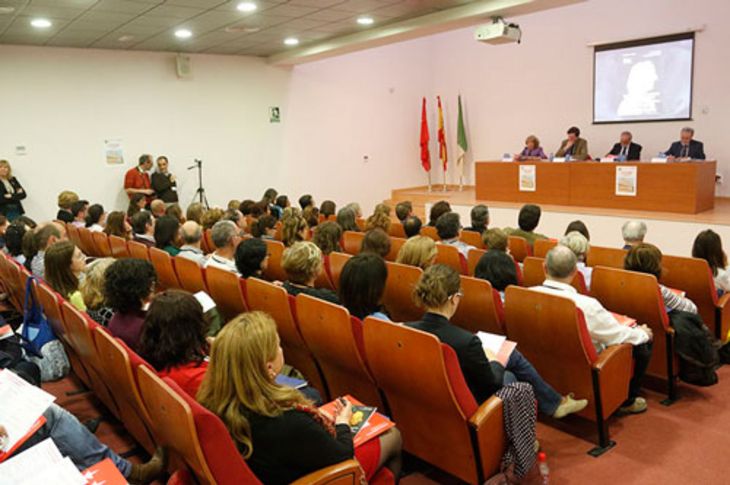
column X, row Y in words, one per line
column 166, row 276
column 480, row 309
column 637, row 295
column 552, row 334
column 337, row 262
column 518, row 248
column 118, row 367
column 190, row 274
column 438, row 418
column 450, row 256
column 542, row 246
column 73, row 234
column 361, row 223
column 274, row 300
column 101, row 242
column 207, row 242
column 335, row 339
column 473, row 238
column 274, row 270
column 323, row 279
column 138, row 250
column 352, row 242
column 430, row 231
column 473, row 258
column 694, row 276
column 395, row 244
column 227, row 289
column 396, row 230
column 602, row 256
column 533, row 274
column 88, row 247
column 119, row 247
column 16, row 283
column 399, row 286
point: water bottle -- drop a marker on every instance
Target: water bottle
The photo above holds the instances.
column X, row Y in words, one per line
column 543, row 467
column 552, row 155
column 568, row 157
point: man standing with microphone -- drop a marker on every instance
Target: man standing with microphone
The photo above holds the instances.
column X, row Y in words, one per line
column 163, row 182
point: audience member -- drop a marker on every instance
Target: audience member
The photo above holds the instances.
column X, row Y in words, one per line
column 356, row 209
column 708, row 246
column 282, row 202
column 195, row 212
column 376, row 241
column 174, row 210
column 65, row 199
column 64, row 264
column 448, row 227
column 439, row 292
column 163, row 182
column 246, row 207
column 173, row 339
column 302, row 263
column 137, row 203
column 137, row 179
column 479, row 218
column 412, row 226
column 419, row 251
column 192, row 234
column 306, row 201
column 92, row 291
column 495, row 240
column 580, row 227
column 578, row 243
column 574, row 146
column 293, row 229
column 157, row 208
column 499, row 269
column 167, row 235
column 633, row 233
column 404, row 210
column 252, row 258
column 327, row 237
column 128, row 287
column 117, row 225
column 211, row 217
column 279, row 432
column 647, row 258
column 380, row 218
column 264, row 228
column 328, row 208
column 362, row 285
column 95, row 218
column 44, row 237
column 226, row 237
column 270, row 196
column 437, row 210
column 14, row 241
column 346, row 220
column 11, row 193
column 143, row 225
column 311, row 215
column 527, row 221
column 78, row 212
column 605, row 330
column 236, row 216
column 234, row 204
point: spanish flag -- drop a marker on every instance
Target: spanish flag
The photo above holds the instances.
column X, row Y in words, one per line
column 425, row 138
column 443, row 154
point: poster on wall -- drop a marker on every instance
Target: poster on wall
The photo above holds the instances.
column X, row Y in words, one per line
column 274, row 114
column 528, row 178
column 114, row 151
column 626, row 181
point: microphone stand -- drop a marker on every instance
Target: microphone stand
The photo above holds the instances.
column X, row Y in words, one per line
column 200, row 192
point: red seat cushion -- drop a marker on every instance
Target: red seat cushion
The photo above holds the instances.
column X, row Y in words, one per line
column 463, row 395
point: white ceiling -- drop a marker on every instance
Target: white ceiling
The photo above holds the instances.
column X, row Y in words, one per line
column 217, row 26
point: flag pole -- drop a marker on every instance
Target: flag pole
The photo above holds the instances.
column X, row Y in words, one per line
column 429, row 181
column 444, row 180
column 461, row 182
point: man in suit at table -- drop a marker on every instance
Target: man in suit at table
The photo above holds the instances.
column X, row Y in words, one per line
column 686, row 148
column 626, row 149
column 573, row 146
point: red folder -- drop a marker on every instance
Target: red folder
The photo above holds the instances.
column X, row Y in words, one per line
column 4, row 455
column 104, row 472
column 377, row 424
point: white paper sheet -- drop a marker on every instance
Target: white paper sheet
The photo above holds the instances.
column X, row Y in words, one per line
column 491, row 341
column 205, row 301
column 17, row 468
column 61, row 473
column 21, row 404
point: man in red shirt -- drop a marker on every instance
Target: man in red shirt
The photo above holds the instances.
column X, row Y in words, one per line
column 137, row 180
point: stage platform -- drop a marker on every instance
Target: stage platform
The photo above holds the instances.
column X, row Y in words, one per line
column 672, row 232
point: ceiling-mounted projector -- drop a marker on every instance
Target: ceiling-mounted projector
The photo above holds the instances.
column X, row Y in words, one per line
column 498, row 32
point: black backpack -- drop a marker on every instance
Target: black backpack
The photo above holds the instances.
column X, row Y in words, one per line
column 11, row 357
column 698, row 353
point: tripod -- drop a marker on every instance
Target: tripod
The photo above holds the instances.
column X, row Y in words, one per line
column 200, row 192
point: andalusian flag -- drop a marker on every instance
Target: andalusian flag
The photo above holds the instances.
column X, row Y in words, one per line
column 461, row 141
column 425, row 138
column 443, row 154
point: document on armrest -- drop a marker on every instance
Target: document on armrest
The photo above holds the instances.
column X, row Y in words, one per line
column 21, row 407
column 205, row 301
column 366, row 423
column 496, row 347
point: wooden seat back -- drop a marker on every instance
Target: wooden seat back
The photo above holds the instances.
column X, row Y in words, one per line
column 274, row 270
column 694, row 277
column 395, row 244
column 352, row 241
column 88, row 247
column 472, row 238
column 430, row 231
column 164, row 268
column 518, row 248
column 190, row 274
column 101, row 243
column 137, row 250
column 396, row 230
column 473, row 258
column 533, row 274
column 73, row 234
column 337, row 262
column 227, row 290
column 542, row 246
column 602, row 256
column 206, row 244
column 450, row 256
column 119, row 247
column 480, row 309
column 398, row 296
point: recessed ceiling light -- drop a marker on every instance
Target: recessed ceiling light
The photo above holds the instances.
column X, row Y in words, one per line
column 365, row 20
column 41, row 23
column 246, row 7
column 125, row 38
column 291, row 41
column 183, row 34
column 6, row 10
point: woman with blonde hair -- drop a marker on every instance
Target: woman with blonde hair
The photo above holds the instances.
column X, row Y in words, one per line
column 532, row 150
column 65, row 200
column 279, row 432
column 210, row 217
column 11, row 193
column 303, row 263
column 327, row 237
column 195, row 212
column 293, row 228
column 92, row 291
column 380, row 218
column 418, row 251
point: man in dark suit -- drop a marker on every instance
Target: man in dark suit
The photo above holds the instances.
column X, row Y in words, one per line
column 625, row 148
column 686, row 148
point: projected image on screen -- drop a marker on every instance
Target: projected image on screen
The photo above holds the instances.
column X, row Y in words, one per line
column 643, row 80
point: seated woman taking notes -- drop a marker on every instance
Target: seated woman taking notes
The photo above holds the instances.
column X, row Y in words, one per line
column 532, row 150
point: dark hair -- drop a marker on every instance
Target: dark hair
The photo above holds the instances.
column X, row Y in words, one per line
column 270, row 195
column 249, row 256
column 498, row 268
column 362, row 284
column 43, row 235
column 174, row 210
column 27, row 221
column 282, row 201
column 93, row 214
column 644, row 258
column 327, row 237
column 328, row 208
column 403, row 209
column 305, row 200
column 578, row 226
column 259, row 227
column 311, row 215
column 78, row 206
column 448, row 225
column 167, row 231
column 574, row 130
column 144, row 158
column 133, row 204
column 529, row 217
column 479, row 217
column 233, row 215
column 376, row 241
column 57, row 261
column 708, row 246
column 346, row 220
column 258, row 209
column 127, row 282
column 246, row 207
column 115, row 224
column 412, row 226
column 14, row 238
column 174, row 331
column 140, row 220
column 437, row 210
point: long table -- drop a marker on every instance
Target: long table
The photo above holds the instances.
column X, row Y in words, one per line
column 684, row 187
